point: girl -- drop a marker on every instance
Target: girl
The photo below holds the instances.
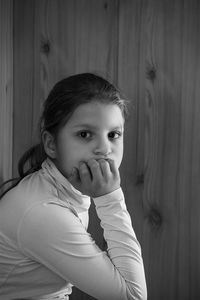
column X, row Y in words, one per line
column 45, row 248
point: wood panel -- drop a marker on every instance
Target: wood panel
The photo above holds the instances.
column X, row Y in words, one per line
column 167, row 119
column 189, row 167
column 162, row 131
column 151, row 50
column 23, row 78
column 172, row 44
column 6, row 89
column 72, row 34
column 131, row 82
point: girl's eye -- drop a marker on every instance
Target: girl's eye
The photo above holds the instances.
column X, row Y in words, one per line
column 114, row 134
column 85, row 134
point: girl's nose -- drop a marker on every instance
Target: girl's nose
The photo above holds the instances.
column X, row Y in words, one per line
column 102, row 148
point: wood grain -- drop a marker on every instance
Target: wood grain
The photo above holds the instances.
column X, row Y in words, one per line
column 171, row 95
column 23, row 78
column 6, row 89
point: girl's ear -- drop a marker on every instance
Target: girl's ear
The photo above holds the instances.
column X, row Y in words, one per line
column 49, row 144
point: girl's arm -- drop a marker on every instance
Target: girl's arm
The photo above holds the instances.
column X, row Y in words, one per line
column 123, row 248
column 97, row 178
column 53, row 236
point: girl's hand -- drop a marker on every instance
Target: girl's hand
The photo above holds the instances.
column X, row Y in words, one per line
column 96, row 177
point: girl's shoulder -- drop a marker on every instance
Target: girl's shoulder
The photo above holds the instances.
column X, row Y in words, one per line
column 34, row 189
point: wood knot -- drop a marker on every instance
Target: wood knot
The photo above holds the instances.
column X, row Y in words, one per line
column 151, row 74
column 105, row 5
column 155, row 218
column 140, row 179
column 45, row 47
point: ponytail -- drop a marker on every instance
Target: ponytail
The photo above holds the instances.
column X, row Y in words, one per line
column 30, row 162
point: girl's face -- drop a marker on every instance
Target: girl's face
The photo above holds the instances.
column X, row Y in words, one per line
column 95, row 130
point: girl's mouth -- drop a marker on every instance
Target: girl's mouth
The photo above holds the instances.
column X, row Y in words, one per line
column 99, row 158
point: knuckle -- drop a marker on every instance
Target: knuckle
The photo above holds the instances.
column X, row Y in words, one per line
column 83, row 168
column 111, row 160
column 103, row 162
column 93, row 163
column 84, row 171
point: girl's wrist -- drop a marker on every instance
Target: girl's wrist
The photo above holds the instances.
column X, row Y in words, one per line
column 112, row 195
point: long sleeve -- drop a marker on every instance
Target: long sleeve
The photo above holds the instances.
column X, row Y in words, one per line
column 123, row 247
column 54, row 236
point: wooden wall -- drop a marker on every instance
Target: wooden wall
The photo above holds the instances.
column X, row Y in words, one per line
column 150, row 49
column 6, row 89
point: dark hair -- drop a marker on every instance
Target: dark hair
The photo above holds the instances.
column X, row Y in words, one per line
column 60, row 104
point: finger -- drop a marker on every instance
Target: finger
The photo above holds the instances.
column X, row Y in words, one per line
column 113, row 167
column 85, row 175
column 74, row 177
column 95, row 169
column 105, row 168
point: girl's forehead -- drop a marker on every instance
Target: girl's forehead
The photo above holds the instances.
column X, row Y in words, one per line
column 97, row 112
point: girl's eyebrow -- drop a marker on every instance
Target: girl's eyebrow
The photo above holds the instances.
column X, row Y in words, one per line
column 90, row 126
column 85, row 125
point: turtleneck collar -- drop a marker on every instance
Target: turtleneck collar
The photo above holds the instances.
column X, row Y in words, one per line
column 66, row 192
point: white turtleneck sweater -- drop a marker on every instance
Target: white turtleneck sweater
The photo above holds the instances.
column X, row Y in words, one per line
column 45, row 248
